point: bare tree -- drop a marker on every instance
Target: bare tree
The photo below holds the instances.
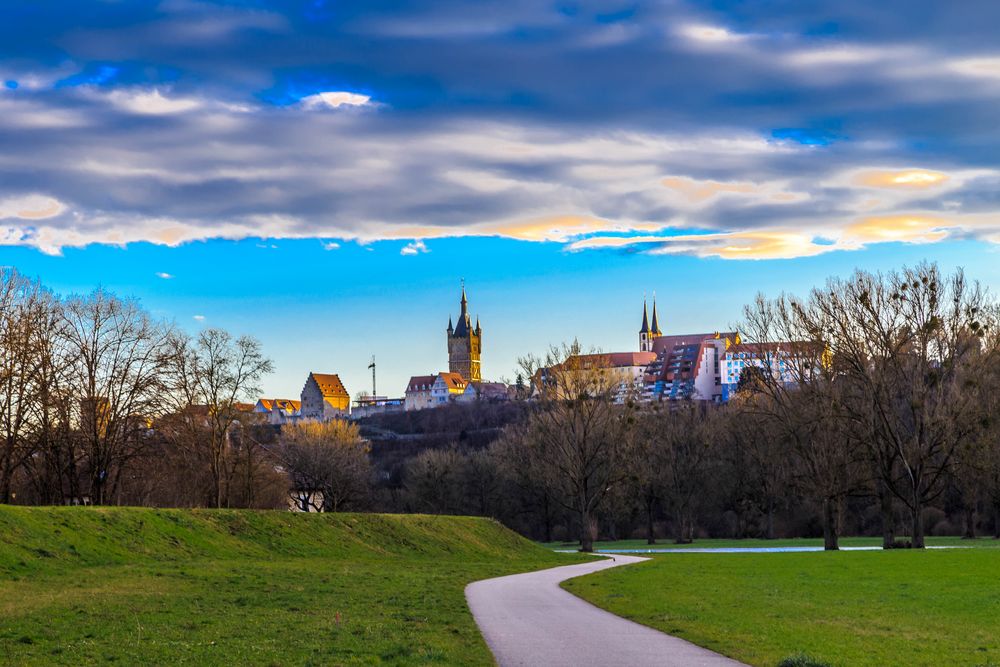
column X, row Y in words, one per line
column 328, row 465
column 211, row 376
column 23, row 308
column 577, row 435
column 117, row 364
column 795, row 389
column 905, row 344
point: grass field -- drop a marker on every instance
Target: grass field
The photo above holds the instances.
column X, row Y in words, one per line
column 899, row 607
column 983, row 542
column 142, row 586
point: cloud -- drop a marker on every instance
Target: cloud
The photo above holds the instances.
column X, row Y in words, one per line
column 331, row 245
column 199, row 318
column 164, row 275
column 710, row 34
column 906, row 178
column 414, row 248
column 30, row 207
column 335, row 99
column 774, row 244
column 728, row 132
column 151, row 102
column 698, row 192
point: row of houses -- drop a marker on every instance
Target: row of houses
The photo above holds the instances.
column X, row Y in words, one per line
column 324, row 397
column 698, row 366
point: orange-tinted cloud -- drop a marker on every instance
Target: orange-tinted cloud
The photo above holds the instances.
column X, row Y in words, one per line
column 771, row 244
column 697, row 191
column 32, row 207
column 906, row 178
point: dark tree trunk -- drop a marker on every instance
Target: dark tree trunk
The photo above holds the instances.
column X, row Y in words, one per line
column 831, row 510
column 770, row 519
column 587, row 530
column 970, row 522
column 917, row 522
column 650, row 537
column 996, row 520
column 885, row 510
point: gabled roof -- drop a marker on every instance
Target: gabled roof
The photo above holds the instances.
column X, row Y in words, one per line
column 329, row 384
column 613, row 359
column 285, row 404
column 487, row 389
column 418, row 381
column 661, row 343
column 452, row 380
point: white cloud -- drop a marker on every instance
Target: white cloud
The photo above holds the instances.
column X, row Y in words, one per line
column 199, row 318
column 331, row 245
column 335, row 100
column 164, row 275
column 711, row 35
column 151, row 102
column 31, row 207
column 414, row 248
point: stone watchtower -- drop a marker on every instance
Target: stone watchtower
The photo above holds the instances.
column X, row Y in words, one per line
column 465, row 344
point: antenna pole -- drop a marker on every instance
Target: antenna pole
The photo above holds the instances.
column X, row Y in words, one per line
column 372, row 366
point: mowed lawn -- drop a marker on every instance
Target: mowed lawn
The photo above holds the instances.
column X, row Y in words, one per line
column 902, row 607
column 155, row 587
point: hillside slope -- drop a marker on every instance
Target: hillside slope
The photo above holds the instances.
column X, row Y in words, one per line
column 89, row 585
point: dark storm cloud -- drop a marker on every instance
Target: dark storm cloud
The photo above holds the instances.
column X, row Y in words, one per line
column 188, row 119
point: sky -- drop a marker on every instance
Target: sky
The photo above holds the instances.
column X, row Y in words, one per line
column 322, row 175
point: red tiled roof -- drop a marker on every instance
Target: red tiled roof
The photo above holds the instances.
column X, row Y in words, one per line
column 661, row 343
column 418, row 381
column 615, row 359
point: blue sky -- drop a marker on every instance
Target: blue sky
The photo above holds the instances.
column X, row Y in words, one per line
column 322, row 174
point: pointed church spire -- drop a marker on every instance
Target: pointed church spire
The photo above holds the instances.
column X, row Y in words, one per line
column 451, row 329
column 656, row 326
column 464, row 321
column 645, row 319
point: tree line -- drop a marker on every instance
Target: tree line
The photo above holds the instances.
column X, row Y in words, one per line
column 102, row 403
column 868, row 406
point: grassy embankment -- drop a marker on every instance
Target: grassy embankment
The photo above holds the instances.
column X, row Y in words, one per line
column 899, row 607
column 142, row 586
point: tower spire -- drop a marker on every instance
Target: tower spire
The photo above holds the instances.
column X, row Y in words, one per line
column 656, row 326
column 645, row 318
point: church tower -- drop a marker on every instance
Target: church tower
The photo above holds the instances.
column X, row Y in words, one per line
column 648, row 333
column 465, row 344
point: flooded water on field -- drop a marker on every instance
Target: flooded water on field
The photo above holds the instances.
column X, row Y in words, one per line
column 734, row 550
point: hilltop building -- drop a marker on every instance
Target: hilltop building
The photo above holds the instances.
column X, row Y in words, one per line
column 418, row 392
column 465, row 344
column 324, row 397
column 490, row 392
column 446, row 387
column 278, row 410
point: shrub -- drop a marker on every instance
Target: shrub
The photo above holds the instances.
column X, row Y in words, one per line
column 802, row 660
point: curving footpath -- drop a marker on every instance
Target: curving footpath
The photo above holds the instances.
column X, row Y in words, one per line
column 528, row 620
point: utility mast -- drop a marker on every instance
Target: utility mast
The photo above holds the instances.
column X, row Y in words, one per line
column 372, row 366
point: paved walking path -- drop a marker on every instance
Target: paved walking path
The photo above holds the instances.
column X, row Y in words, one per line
column 528, row 620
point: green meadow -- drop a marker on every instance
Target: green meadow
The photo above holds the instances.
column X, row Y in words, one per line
column 82, row 586
column 899, row 607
